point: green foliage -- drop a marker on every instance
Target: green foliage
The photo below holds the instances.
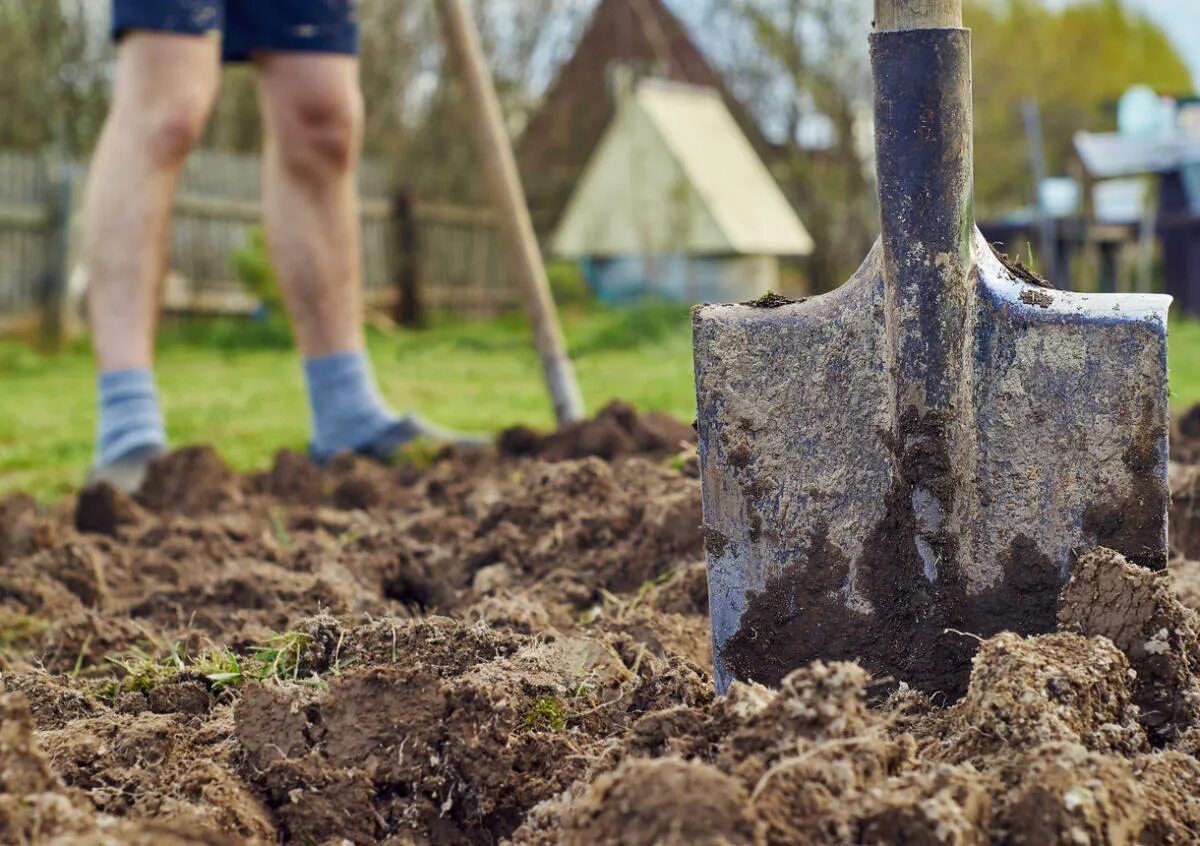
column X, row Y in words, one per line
column 221, row 667
column 252, row 265
column 568, row 285
column 1074, row 63
column 230, row 335
column 142, row 673
column 53, row 89
column 278, row 659
column 1183, row 346
column 546, row 714
column 631, row 328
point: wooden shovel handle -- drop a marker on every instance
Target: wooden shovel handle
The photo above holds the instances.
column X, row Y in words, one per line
column 893, row 15
column 508, row 198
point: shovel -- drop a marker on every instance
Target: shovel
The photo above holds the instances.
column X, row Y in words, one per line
column 919, row 457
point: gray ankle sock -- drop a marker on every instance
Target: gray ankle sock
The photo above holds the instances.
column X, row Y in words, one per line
column 348, row 412
column 130, row 419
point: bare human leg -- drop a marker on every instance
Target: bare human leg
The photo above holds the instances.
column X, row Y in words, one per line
column 312, row 111
column 165, row 87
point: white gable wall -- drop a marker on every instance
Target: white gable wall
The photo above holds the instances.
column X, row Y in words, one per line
column 674, row 174
column 635, row 198
column 725, row 170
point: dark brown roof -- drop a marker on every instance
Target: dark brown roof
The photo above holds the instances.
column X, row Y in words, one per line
column 563, row 133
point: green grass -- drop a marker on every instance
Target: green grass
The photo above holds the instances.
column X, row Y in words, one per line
column 238, row 385
column 278, row 659
column 1183, row 344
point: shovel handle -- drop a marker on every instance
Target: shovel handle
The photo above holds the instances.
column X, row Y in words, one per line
column 503, row 182
column 893, row 15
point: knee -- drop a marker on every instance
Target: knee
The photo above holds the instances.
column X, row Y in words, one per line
column 172, row 127
column 320, row 134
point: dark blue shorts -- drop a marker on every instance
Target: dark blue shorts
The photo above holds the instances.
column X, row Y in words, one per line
column 247, row 26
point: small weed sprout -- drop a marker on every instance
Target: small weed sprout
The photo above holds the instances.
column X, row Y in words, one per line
column 281, row 657
column 281, row 533
column 546, row 714
column 587, row 686
column 80, row 658
column 221, row 667
column 143, row 673
column 649, row 585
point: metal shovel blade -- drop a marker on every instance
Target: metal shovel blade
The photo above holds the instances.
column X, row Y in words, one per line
column 922, row 454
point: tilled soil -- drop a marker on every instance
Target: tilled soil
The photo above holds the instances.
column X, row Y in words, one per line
column 513, row 646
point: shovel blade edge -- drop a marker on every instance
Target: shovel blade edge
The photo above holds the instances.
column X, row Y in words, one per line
column 1058, row 444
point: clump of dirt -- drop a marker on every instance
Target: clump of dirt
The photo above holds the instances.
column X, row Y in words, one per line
column 103, row 509
column 480, row 646
column 1062, row 687
column 1068, row 794
column 618, row 430
column 1185, row 510
column 667, row 802
column 1185, row 437
column 1136, row 609
column 20, row 528
column 190, row 481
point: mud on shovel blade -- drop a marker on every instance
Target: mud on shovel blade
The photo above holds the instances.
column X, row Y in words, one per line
column 927, row 449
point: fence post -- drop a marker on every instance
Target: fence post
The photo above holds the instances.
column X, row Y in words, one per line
column 54, row 300
column 409, row 308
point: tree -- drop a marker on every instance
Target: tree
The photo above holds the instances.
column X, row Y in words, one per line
column 53, row 89
column 796, row 63
column 1074, row 63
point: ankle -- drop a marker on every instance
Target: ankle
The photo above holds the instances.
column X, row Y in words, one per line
column 130, row 417
column 347, row 409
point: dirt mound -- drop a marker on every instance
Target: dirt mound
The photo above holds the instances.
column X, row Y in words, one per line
column 617, row 431
column 192, row 481
column 480, row 647
column 1025, row 692
column 668, row 802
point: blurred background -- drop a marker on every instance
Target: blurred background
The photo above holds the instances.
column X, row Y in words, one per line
column 673, row 152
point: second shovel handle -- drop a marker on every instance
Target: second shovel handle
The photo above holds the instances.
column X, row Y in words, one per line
column 892, row 15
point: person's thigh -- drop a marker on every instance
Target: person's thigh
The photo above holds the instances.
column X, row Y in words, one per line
column 161, row 68
column 292, row 26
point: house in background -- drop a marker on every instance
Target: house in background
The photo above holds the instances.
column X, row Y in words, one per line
column 675, row 203
column 638, row 36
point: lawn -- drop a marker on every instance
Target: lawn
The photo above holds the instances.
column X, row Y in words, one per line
column 238, row 386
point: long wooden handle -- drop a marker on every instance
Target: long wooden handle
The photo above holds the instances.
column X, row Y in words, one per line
column 891, row 15
column 508, row 198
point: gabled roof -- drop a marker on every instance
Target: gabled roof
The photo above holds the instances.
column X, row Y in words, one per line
column 562, row 134
column 1108, row 154
column 675, row 174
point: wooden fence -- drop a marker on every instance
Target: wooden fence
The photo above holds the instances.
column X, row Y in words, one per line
column 439, row 258
column 32, row 239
